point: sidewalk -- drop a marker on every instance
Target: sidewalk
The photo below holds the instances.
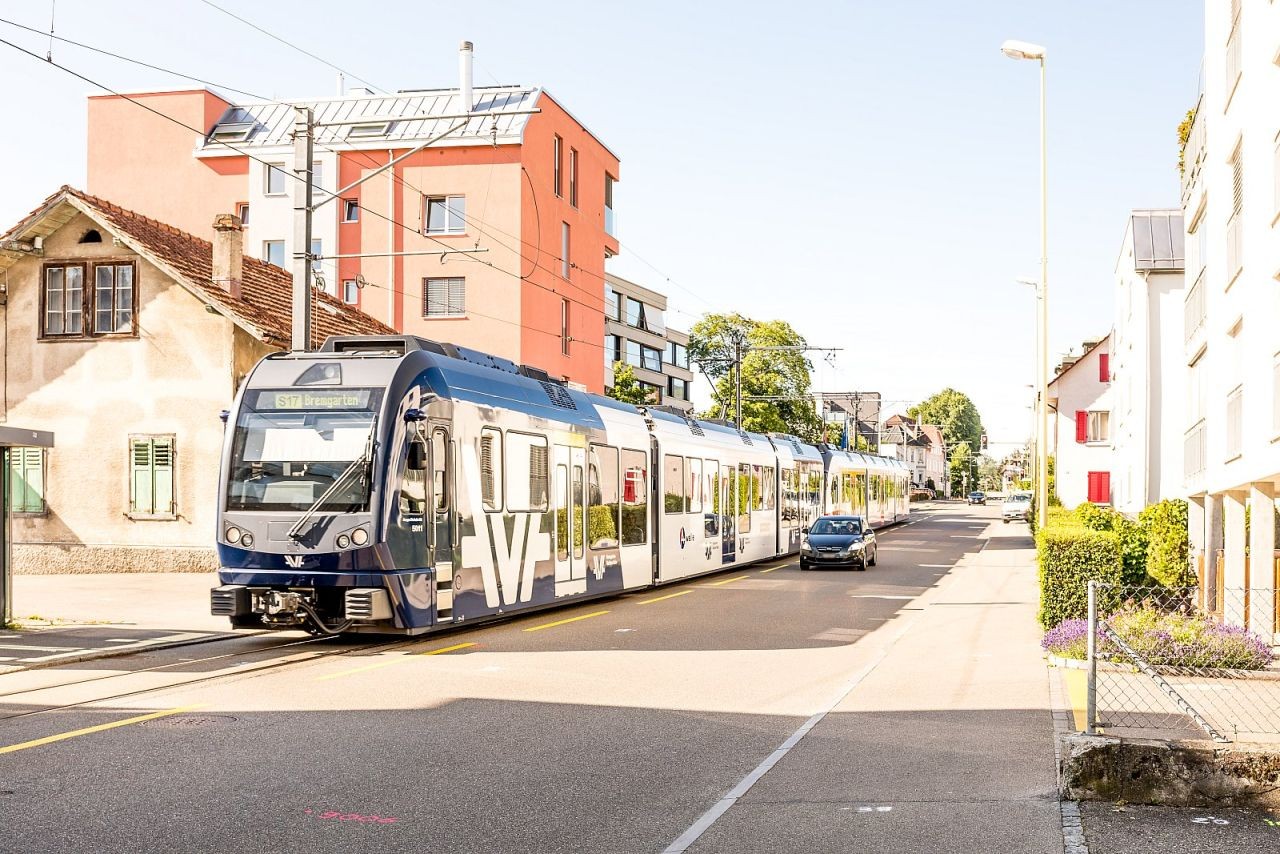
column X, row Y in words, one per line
column 945, row 745
column 69, row 618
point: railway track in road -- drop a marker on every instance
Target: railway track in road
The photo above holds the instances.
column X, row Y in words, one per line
column 271, row 664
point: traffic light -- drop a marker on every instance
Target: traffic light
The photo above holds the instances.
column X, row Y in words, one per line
column 984, row 441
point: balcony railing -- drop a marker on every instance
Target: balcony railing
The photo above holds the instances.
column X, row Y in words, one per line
column 1193, row 309
column 1193, row 451
column 1233, row 61
column 1193, row 156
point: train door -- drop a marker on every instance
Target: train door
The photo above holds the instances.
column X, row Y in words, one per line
column 728, row 507
column 440, row 500
column 570, row 515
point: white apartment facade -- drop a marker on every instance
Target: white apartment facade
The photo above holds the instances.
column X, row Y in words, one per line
column 1080, row 398
column 636, row 334
column 1147, row 362
column 921, row 447
column 1231, row 207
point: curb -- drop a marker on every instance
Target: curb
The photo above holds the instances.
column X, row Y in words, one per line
column 121, row 651
column 1073, row 836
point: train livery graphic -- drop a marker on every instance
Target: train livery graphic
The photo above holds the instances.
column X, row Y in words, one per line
column 397, row 485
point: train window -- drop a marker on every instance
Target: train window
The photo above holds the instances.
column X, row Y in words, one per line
column 711, row 489
column 693, row 495
column 562, row 512
column 578, row 536
column 491, row 468
column 770, row 484
column 744, row 498
column 602, row 497
column 833, row 491
column 635, row 497
column 440, row 469
column 673, row 483
column 757, row 488
column 526, row 473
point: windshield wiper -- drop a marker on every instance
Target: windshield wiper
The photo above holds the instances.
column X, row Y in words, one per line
column 365, row 458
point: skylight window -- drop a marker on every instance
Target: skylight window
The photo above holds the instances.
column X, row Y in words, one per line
column 371, row 129
column 232, row 132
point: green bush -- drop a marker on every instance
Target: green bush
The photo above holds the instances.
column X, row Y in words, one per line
column 1168, row 549
column 1132, row 537
column 1070, row 556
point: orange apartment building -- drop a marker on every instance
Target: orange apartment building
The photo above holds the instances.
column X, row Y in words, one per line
column 527, row 191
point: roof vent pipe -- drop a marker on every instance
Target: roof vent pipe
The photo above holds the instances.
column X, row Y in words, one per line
column 464, row 73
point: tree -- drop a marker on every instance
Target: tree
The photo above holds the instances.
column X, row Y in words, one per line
column 782, row 375
column 961, row 464
column 627, row 388
column 954, row 413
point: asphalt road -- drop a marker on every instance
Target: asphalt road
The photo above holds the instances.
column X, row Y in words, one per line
column 607, row 727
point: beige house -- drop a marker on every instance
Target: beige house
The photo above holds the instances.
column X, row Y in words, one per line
column 127, row 338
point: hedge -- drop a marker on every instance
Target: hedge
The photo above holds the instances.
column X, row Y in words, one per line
column 1071, row 556
column 1168, row 548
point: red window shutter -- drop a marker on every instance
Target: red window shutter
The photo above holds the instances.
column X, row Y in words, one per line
column 1099, row 487
column 1082, row 425
column 1104, row 367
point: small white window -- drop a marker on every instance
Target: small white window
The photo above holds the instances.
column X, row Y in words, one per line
column 242, row 211
column 371, row 129
column 1099, row 429
column 491, row 468
column 445, row 215
column 232, row 132
column 276, row 176
column 317, row 252
column 350, row 291
column 273, row 252
column 564, row 249
column 350, row 210
column 444, row 297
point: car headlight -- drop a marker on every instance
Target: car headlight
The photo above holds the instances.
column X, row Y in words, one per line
column 854, row 548
column 805, row 547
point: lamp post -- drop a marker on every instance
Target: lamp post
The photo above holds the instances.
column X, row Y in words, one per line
column 1026, row 50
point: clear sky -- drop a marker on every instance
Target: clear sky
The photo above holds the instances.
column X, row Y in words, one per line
column 867, row 171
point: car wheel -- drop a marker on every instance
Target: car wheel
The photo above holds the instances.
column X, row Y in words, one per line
column 803, row 566
column 874, row 557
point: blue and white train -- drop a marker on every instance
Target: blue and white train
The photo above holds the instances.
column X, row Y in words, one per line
column 395, row 485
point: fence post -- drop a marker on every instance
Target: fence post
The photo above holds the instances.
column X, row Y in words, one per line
column 1091, row 692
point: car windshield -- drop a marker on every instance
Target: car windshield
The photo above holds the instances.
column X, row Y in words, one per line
column 290, row 446
column 1019, row 499
column 836, row 526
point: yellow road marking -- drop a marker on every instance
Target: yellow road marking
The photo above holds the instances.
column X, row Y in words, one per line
column 50, row 739
column 562, row 622
column 390, row 660
column 660, row 598
column 445, row 649
column 773, row 568
column 1077, row 693
column 729, row 581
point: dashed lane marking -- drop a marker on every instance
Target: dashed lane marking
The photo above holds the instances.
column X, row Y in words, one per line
column 539, row 628
column 63, row 736
column 728, row 581
column 390, row 660
column 661, row 598
column 774, row 568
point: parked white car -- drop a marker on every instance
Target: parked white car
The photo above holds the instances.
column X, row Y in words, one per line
column 1015, row 507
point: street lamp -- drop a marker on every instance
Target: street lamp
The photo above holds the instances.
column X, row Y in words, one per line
column 1026, row 50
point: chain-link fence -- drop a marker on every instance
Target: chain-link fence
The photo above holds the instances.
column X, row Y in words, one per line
column 1165, row 659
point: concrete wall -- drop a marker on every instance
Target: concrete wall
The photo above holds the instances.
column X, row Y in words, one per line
column 173, row 378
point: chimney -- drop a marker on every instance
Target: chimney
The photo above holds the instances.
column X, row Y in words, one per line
column 464, row 72
column 228, row 253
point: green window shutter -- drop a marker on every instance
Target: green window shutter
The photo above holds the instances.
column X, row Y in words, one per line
column 141, row 495
column 26, row 480
column 162, row 486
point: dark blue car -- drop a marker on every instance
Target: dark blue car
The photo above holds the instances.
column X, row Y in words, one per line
column 838, row 541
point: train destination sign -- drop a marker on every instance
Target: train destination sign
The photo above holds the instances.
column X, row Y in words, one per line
column 314, row 400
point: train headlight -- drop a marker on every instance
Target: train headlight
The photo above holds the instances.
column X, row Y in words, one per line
column 343, row 541
column 359, row 536
column 246, row 540
column 233, row 534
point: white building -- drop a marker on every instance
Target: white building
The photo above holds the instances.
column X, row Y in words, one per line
column 636, row 334
column 1231, row 207
column 920, row 446
column 1080, row 398
column 1147, row 362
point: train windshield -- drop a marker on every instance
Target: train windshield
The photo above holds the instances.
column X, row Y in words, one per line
column 291, row 446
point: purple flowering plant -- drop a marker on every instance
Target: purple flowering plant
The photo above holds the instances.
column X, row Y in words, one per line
column 1173, row 639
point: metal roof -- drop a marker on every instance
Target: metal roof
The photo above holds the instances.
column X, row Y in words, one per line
column 272, row 121
column 1157, row 240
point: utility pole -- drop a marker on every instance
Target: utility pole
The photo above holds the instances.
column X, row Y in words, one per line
column 303, row 151
column 737, row 381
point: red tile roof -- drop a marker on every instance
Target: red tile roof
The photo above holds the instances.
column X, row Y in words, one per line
column 266, row 293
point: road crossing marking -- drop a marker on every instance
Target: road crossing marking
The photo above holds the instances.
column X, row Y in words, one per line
column 562, row 622
column 63, row 736
column 660, row 598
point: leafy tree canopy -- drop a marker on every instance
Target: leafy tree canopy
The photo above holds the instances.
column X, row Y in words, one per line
column 955, row 415
column 626, row 387
column 783, row 374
